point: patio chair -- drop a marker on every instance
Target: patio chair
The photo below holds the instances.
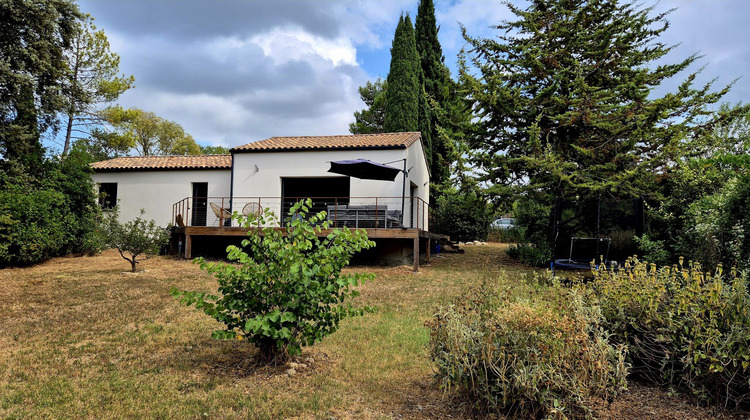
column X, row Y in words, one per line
column 221, row 213
column 252, row 208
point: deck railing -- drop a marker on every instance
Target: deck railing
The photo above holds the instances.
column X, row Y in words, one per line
column 352, row 212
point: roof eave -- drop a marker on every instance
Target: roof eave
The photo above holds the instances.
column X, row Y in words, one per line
column 144, row 169
column 317, row 149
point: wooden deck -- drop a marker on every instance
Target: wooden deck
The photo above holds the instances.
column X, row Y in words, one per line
column 416, row 236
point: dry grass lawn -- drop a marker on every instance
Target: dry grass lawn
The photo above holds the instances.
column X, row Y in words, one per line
column 81, row 339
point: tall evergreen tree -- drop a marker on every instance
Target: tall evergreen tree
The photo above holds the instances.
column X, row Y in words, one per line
column 33, row 37
column 430, row 52
column 402, row 96
column 21, row 135
column 425, row 125
column 441, row 98
column 562, row 100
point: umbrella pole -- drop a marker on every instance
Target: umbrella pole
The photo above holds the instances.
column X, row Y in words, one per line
column 403, row 195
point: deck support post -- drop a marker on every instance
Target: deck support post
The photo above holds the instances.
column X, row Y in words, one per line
column 427, row 251
column 416, row 254
column 188, row 246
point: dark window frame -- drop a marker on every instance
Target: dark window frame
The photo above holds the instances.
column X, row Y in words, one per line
column 107, row 195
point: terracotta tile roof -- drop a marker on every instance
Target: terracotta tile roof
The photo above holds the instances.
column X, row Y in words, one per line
column 356, row 141
column 131, row 163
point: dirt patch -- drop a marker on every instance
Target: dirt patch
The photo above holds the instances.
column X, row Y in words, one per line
column 643, row 401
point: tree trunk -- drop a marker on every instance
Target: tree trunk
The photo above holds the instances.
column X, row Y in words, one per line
column 270, row 354
column 133, row 264
column 68, row 132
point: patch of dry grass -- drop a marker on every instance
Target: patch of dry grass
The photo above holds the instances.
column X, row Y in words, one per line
column 81, row 339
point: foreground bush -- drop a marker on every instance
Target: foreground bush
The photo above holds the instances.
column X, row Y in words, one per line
column 288, row 292
column 684, row 327
column 531, row 357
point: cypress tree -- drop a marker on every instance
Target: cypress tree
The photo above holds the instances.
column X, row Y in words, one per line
column 430, row 52
column 402, row 96
column 438, row 109
column 425, row 126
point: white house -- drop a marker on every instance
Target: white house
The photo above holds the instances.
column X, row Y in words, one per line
column 269, row 170
column 155, row 183
column 197, row 191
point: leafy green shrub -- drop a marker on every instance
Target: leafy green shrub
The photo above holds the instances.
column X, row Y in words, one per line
column 32, row 225
column 717, row 228
column 532, row 220
column 683, row 327
column 701, row 212
column 528, row 357
column 531, row 254
column 136, row 240
column 288, row 291
column 51, row 213
column 464, row 216
column 73, row 180
column 503, row 235
column 653, row 251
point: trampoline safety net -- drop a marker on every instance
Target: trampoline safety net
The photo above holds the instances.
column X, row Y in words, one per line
column 584, row 230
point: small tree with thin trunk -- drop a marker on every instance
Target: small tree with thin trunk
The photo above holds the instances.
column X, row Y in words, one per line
column 136, row 240
column 284, row 288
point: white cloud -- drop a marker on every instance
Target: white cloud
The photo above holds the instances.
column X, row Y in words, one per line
column 292, row 44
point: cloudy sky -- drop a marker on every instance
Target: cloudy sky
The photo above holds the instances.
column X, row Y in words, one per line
column 232, row 72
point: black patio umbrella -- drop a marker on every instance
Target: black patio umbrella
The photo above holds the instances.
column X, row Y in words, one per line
column 367, row 169
column 364, row 169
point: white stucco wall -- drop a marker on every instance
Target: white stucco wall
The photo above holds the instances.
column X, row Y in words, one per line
column 259, row 174
column 157, row 191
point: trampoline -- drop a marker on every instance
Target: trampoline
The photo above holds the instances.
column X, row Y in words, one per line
column 578, row 263
column 595, row 229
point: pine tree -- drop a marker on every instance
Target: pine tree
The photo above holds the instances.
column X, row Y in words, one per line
column 91, row 80
column 372, row 118
column 563, row 100
column 402, row 96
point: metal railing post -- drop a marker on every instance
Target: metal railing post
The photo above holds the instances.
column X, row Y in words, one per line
column 416, row 219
